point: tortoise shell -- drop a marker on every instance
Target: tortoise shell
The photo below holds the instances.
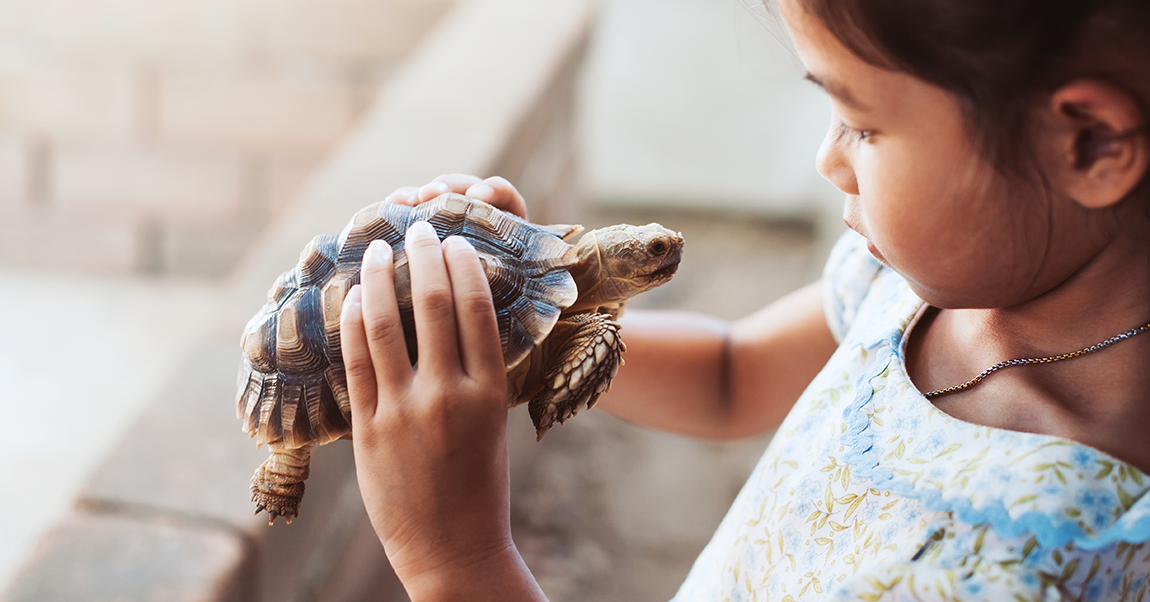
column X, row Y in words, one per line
column 292, row 387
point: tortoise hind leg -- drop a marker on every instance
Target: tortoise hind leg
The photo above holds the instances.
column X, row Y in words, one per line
column 277, row 485
column 583, row 356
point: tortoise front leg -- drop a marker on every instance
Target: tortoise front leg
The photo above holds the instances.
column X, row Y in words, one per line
column 582, row 356
column 277, row 485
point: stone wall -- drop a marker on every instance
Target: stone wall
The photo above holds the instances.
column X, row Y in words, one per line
column 158, row 136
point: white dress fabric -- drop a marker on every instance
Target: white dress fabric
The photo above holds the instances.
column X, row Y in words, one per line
column 868, row 492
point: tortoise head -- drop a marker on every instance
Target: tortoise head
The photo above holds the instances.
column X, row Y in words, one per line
column 619, row 262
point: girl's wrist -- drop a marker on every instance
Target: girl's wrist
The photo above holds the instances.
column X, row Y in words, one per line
column 499, row 574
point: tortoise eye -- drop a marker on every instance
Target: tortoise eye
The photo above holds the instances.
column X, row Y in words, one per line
column 657, row 248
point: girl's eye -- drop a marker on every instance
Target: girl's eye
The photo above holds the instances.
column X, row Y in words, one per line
column 852, row 134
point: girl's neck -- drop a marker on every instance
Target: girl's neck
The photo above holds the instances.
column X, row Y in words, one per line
column 1098, row 399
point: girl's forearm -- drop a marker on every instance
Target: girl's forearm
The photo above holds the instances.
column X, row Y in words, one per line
column 698, row 375
column 673, row 372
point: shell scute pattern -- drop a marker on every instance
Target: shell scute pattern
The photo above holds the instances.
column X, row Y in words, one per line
column 504, row 279
column 300, row 340
column 526, row 320
column 293, row 389
column 259, row 339
column 332, row 295
column 284, row 286
column 317, row 260
column 294, row 432
column 251, row 385
column 560, row 350
column 368, row 224
column 270, row 422
column 325, row 417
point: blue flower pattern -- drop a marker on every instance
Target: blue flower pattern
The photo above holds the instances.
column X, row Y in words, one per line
column 870, row 493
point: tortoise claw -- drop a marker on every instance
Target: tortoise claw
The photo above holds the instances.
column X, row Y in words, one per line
column 278, row 484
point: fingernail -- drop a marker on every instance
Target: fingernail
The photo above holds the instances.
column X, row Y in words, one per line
column 377, row 252
column 453, row 241
column 401, row 195
column 482, row 192
column 354, row 298
column 422, row 228
column 432, row 190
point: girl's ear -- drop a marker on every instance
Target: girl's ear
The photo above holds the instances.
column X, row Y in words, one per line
column 1103, row 142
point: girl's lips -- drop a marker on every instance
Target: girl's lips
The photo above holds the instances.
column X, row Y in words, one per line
column 850, row 218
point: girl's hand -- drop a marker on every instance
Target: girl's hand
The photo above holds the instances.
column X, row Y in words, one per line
column 494, row 190
column 430, row 447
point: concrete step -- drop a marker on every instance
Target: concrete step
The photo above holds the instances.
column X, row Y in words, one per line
column 80, row 360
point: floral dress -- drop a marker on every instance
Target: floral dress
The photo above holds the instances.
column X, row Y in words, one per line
column 868, row 492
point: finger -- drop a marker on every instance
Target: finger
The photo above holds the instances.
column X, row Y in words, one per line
column 479, row 345
column 405, row 195
column 432, row 302
column 431, row 190
column 382, row 323
column 454, row 182
column 500, row 193
column 357, row 358
column 458, row 182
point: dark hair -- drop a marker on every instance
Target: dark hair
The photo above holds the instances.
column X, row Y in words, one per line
column 1000, row 57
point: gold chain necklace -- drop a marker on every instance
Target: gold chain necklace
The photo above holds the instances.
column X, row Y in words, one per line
column 1039, row 360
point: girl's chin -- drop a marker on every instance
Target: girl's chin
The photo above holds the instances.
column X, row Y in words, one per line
column 877, row 255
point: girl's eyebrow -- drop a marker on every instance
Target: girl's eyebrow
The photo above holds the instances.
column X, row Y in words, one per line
column 839, row 92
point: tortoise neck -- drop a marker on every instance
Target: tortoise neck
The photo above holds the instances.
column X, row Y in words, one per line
column 589, row 275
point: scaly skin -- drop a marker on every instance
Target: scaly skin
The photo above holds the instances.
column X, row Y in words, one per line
column 576, row 363
column 619, row 262
column 277, row 485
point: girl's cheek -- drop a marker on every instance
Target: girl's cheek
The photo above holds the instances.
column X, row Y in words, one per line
column 883, row 208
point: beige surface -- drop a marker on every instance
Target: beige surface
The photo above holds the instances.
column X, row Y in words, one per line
column 694, row 103
column 183, row 124
column 80, row 358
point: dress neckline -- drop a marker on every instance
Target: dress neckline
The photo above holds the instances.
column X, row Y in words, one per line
column 1061, row 490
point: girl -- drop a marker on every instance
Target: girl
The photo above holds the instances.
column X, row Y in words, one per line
column 994, row 157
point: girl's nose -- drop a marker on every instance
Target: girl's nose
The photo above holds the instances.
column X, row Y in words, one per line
column 833, row 161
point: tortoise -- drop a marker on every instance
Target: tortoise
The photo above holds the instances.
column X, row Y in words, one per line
column 556, row 305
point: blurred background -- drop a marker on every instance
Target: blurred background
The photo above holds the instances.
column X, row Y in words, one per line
column 161, row 161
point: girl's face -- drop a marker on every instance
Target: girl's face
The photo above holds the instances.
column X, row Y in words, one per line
column 917, row 189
